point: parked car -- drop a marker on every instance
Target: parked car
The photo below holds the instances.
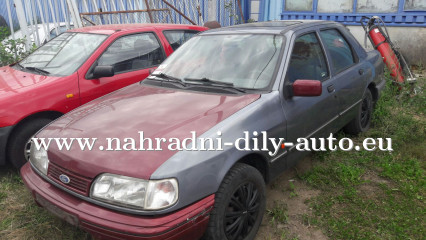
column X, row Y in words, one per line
column 290, row 79
column 73, row 69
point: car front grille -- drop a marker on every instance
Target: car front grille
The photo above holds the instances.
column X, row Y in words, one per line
column 77, row 182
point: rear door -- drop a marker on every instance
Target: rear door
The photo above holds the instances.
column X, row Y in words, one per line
column 348, row 73
column 132, row 56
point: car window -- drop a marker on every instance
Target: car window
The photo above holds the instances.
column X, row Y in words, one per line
column 340, row 51
column 133, row 52
column 64, row 54
column 178, row 37
column 307, row 60
column 61, row 30
column 242, row 60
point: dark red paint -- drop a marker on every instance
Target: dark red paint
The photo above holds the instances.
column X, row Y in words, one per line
column 137, row 108
column 186, row 223
column 307, row 88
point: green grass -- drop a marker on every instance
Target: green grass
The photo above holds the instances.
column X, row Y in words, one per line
column 376, row 195
column 363, row 195
column 278, row 213
column 21, row 218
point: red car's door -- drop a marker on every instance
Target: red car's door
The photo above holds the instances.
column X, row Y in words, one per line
column 132, row 57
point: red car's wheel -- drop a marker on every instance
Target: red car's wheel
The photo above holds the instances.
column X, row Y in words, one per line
column 18, row 147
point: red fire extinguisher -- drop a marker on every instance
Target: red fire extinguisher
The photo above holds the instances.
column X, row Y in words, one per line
column 380, row 40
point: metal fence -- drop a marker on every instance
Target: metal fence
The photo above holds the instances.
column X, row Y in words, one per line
column 39, row 20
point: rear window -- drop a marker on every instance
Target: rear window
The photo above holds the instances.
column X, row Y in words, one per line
column 177, row 37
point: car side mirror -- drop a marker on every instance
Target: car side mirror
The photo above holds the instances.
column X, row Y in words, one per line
column 307, row 88
column 103, row 71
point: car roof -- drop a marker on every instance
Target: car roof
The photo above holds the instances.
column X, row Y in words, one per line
column 112, row 28
column 270, row 27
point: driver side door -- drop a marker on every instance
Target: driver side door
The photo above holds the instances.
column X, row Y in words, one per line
column 132, row 58
column 311, row 116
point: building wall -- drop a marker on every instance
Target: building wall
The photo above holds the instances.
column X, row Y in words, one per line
column 411, row 41
column 406, row 19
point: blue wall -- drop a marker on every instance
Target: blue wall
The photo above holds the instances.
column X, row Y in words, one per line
column 399, row 17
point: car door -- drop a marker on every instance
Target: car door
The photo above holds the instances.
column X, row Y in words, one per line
column 348, row 73
column 308, row 116
column 132, row 57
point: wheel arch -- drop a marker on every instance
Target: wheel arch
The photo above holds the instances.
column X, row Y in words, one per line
column 258, row 162
column 374, row 92
column 44, row 114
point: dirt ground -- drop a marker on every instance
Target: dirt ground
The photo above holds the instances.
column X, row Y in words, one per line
column 288, row 192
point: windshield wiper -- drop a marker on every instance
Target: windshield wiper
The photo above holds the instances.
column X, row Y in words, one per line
column 36, row 69
column 165, row 76
column 209, row 82
column 169, row 78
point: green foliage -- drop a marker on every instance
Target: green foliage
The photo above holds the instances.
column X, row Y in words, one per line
column 12, row 50
column 278, row 213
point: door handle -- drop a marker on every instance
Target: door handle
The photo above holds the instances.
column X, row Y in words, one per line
column 361, row 71
column 330, row 88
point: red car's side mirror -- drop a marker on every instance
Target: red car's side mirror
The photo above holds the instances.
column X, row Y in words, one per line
column 307, row 88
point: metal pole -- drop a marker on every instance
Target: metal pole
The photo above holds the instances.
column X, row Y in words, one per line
column 52, row 13
column 149, row 11
column 22, row 21
column 37, row 35
column 183, row 15
column 67, row 23
column 241, row 11
column 9, row 13
column 211, row 10
column 72, row 7
column 46, row 29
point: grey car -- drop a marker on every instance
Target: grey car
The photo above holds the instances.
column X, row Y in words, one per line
column 234, row 88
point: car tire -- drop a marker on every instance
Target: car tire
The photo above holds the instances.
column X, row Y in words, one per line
column 18, row 141
column 239, row 205
column 361, row 122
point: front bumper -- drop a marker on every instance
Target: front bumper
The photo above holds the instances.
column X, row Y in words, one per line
column 102, row 223
column 4, row 135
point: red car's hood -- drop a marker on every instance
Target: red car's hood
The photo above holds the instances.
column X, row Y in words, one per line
column 158, row 112
column 14, row 81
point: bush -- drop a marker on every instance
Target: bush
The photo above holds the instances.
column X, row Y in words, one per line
column 12, row 50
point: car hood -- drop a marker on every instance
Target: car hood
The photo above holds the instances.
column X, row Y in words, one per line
column 158, row 112
column 13, row 81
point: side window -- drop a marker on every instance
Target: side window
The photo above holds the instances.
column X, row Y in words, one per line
column 61, row 30
column 178, row 37
column 340, row 51
column 133, row 52
column 307, row 60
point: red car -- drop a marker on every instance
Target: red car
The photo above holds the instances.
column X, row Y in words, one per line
column 73, row 69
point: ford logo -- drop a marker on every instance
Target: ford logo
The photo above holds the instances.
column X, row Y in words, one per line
column 64, row 178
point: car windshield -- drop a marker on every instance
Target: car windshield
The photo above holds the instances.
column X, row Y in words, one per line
column 64, row 54
column 241, row 60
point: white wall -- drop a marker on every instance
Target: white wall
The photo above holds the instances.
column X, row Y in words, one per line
column 411, row 41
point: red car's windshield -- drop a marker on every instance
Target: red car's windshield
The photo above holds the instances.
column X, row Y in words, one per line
column 65, row 53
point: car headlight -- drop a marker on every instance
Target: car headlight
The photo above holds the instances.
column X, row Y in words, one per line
column 134, row 192
column 39, row 159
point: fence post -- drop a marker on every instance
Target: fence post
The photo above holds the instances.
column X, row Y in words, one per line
column 211, row 13
column 22, row 22
column 9, row 13
column 72, row 6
